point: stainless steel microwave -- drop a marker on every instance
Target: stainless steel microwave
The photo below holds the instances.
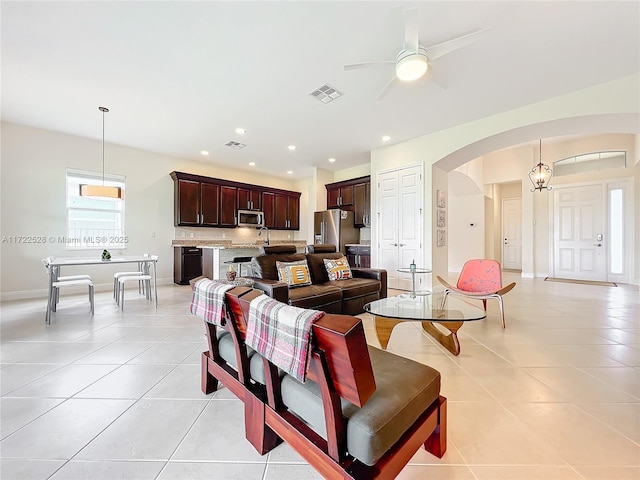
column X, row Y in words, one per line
column 250, row 218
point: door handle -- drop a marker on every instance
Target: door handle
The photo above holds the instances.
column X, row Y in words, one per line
column 597, row 244
column 394, row 244
column 402, row 244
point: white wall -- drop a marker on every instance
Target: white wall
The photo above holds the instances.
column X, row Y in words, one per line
column 33, row 164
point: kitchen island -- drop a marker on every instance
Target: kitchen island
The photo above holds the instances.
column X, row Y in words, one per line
column 216, row 252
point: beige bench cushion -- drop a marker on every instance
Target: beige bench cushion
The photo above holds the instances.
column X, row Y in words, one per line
column 404, row 390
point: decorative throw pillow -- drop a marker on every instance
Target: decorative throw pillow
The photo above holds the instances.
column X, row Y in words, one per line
column 337, row 269
column 294, row 274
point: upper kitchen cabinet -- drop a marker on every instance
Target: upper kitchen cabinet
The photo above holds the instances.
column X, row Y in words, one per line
column 340, row 196
column 228, row 210
column 213, row 202
column 286, row 211
column 362, row 204
column 249, row 199
column 269, row 209
column 196, row 203
column 353, row 195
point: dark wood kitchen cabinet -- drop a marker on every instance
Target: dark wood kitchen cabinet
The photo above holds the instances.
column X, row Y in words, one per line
column 362, row 204
column 213, row 202
column 228, row 210
column 269, row 209
column 359, row 255
column 249, row 199
column 196, row 204
column 353, row 195
column 340, row 196
column 286, row 212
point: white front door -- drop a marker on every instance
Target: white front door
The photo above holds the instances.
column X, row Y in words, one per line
column 579, row 243
column 400, row 223
column 512, row 233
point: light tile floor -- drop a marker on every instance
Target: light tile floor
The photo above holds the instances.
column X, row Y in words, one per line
column 555, row 396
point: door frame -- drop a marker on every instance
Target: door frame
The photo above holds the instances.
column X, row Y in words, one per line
column 629, row 215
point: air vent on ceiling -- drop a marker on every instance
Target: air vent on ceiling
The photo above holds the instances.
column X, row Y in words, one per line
column 326, row 94
column 235, row 145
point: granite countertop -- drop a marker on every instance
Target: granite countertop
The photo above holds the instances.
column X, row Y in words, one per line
column 227, row 244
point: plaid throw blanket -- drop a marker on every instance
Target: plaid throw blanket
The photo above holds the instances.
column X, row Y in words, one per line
column 208, row 300
column 281, row 333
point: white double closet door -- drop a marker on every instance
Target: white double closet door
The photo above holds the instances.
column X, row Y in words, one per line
column 400, row 224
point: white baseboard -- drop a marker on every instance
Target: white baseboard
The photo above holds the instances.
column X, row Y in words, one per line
column 42, row 292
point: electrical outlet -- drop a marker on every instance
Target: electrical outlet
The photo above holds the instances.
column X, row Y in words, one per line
column 191, row 235
column 153, row 234
column 289, row 235
column 224, row 235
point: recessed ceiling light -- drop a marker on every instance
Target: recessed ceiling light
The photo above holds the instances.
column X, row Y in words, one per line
column 252, row 164
column 289, row 172
column 291, row 147
column 386, row 138
column 332, row 160
column 204, row 152
column 240, row 131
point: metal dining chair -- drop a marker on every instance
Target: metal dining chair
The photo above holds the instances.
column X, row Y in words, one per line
column 118, row 275
column 57, row 282
column 145, row 277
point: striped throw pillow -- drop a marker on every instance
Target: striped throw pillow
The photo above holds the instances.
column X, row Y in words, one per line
column 338, row 269
column 294, row 274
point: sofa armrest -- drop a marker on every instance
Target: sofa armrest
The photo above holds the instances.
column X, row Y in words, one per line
column 275, row 289
column 375, row 274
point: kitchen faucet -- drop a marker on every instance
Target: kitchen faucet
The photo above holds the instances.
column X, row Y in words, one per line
column 260, row 233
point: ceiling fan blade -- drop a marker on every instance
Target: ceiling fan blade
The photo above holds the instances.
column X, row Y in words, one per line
column 382, row 63
column 411, row 29
column 387, row 88
column 440, row 49
column 435, row 77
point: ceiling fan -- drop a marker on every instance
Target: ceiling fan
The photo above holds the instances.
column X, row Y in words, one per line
column 413, row 61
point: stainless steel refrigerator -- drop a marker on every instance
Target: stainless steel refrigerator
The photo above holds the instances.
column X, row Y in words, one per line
column 336, row 227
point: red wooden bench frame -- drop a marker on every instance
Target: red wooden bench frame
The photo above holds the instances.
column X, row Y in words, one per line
column 340, row 365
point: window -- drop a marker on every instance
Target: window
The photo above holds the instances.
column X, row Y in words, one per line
column 590, row 162
column 94, row 222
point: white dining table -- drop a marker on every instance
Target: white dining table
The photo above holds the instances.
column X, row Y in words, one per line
column 148, row 262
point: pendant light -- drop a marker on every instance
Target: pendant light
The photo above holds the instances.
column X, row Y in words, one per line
column 540, row 175
column 103, row 190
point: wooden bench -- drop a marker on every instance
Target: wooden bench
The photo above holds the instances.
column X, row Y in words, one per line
column 345, row 420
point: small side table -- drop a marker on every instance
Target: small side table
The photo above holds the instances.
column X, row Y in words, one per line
column 413, row 279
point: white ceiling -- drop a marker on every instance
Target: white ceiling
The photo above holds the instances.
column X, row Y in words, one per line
column 179, row 77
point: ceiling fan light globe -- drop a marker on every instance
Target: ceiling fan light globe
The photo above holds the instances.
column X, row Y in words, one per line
column 411, row 66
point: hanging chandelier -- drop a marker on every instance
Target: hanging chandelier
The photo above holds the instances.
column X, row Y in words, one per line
column 540, row 175
column 103, row 190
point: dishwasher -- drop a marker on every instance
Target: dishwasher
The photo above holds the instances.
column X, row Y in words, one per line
column 187, row 264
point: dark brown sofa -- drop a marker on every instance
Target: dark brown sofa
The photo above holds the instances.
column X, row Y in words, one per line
column 339, row 296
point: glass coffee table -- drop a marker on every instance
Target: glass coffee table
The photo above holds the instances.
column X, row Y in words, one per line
column 427, row 309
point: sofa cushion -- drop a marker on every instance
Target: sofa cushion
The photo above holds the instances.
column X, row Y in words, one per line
column 314, row 296
column 316, row 265
column 356, row 287
column 404, row 390
column 264, row 266
column 294, row 274
column 337, row 269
